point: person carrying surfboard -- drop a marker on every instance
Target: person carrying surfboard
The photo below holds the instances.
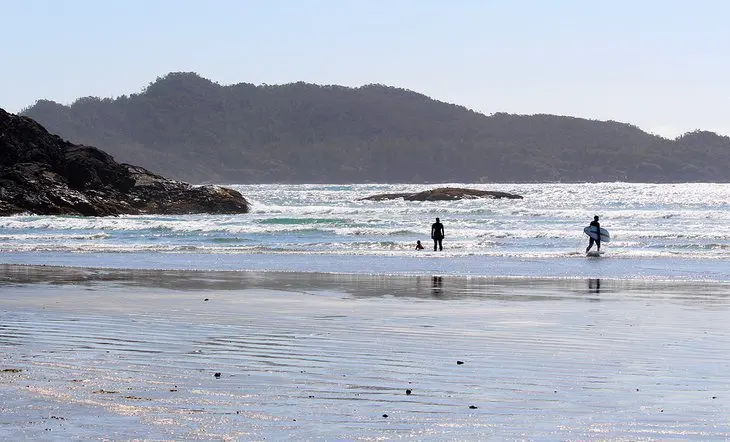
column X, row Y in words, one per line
column 598, row 235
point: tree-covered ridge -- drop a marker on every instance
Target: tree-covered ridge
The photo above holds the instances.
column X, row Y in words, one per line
column 188, row 127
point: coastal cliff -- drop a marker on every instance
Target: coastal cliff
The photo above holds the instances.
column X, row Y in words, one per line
column 40, row 173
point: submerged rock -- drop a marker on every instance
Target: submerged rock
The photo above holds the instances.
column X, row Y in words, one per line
column 42, row 174
column 444, row 194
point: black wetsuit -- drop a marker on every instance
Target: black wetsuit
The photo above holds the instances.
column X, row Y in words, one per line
column 597, row 241
column 437, row 234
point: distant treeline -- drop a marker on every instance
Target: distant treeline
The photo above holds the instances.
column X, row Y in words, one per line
column 190, row 128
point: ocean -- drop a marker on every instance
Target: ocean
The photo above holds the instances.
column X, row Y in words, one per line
column 314, row 318
column 658, row 232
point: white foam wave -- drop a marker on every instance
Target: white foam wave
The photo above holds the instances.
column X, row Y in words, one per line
column 645, row 221
column 51, row 236
column 384, row 248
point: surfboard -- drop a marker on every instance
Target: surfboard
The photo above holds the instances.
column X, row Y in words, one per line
column 591, row 231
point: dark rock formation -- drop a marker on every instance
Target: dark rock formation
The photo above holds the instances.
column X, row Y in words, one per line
column 443, row 194
column 42, row 174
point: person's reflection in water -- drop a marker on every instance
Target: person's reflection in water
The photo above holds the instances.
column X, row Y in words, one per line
column 436, row 282
column 594, row 285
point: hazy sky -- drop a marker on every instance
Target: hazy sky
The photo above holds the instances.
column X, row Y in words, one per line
column 661, row 65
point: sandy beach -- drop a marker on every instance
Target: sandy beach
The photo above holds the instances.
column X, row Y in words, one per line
column 144, row 354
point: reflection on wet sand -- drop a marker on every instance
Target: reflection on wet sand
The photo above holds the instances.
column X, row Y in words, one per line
column 594, row 286
column 359, row 285
column 436, row 285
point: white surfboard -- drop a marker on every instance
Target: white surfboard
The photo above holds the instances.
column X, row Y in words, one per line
column 591, row 231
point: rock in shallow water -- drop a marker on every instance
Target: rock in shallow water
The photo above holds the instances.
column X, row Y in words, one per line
column 444, row 194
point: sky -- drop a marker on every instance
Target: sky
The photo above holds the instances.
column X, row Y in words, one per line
column 663, row 66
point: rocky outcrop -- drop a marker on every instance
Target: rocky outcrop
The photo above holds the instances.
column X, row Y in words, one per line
column 444, row 194
column 42, row 174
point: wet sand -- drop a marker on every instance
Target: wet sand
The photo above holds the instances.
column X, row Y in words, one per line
column 134, row 354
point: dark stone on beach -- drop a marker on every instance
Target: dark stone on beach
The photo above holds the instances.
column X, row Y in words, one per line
column 385, row 415
column 443, row 194
column 217, row 375
column 102, row 391
column 408, row 391
column 206, row 299
column 473, row 407
column 42, row 174
column 459, row 362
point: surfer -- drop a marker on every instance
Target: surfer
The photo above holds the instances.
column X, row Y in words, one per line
column 598, row 235
column 437, row 234
column 419, row 246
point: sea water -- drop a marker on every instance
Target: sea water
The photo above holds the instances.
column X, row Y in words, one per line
column 631, row 345
column 658, row 231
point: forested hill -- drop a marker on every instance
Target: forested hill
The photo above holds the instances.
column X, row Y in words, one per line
column 190, row 128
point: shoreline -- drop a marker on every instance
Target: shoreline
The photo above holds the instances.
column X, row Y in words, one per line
column 355, row 284
column 608, row 268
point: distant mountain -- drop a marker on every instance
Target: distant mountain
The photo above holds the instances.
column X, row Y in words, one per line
column 192, row 129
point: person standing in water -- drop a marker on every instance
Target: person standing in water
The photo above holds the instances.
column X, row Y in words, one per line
column 437, row 234
column 598, row 234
